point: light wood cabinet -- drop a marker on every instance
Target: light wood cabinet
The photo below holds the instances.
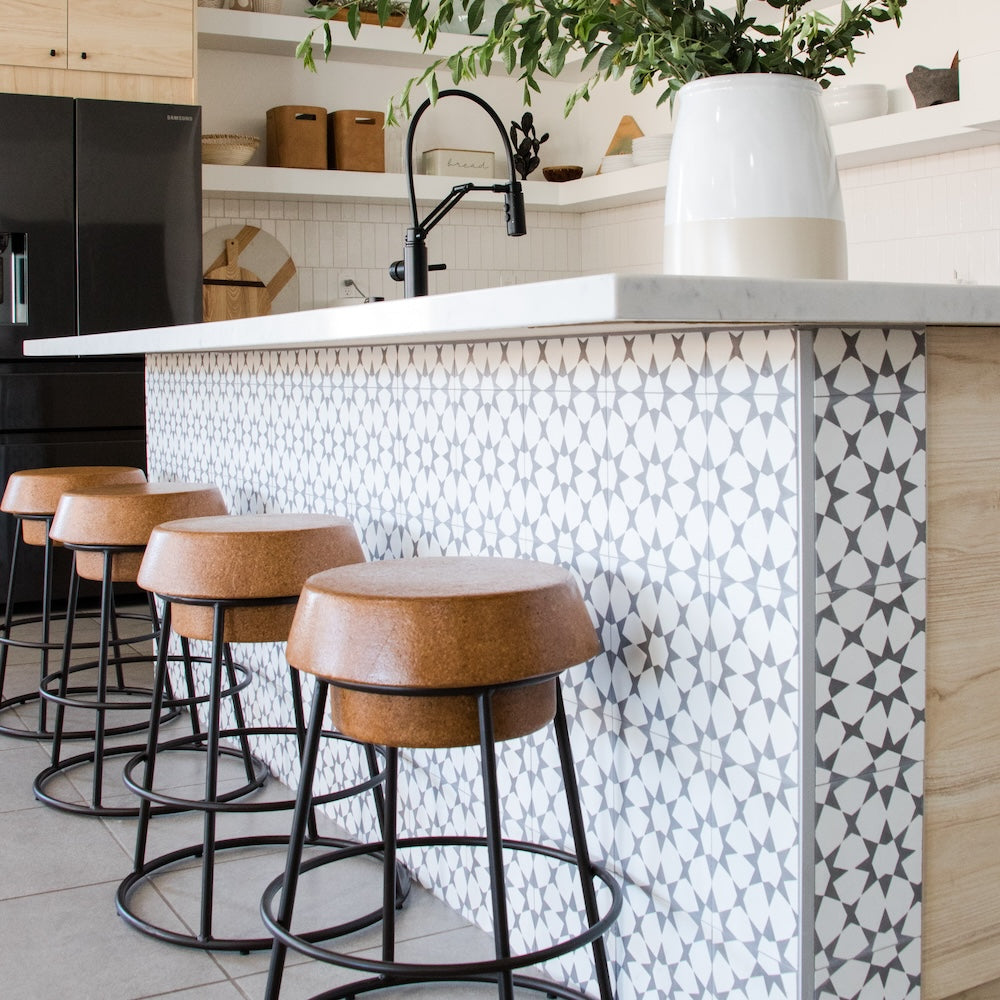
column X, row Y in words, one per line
column 33, row 33
column 99, row 48
column 152, row 38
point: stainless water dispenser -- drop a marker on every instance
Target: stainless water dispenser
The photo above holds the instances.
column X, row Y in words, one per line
column 13, row 278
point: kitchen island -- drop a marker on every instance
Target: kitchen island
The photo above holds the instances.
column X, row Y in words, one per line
column 779, row 499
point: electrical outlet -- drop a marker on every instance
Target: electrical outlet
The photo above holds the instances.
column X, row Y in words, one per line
column 346, row 289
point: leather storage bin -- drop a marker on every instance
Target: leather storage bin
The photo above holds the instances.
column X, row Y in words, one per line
column 296, row 137
column 356, row 140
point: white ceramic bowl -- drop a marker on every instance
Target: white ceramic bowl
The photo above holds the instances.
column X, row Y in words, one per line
column 850, row 102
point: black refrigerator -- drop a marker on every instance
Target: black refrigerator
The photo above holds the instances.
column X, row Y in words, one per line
column 100, row 230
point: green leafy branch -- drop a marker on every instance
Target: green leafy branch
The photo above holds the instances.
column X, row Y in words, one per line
column 664, row 43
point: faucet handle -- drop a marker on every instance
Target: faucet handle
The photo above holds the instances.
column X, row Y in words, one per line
column 397, row 269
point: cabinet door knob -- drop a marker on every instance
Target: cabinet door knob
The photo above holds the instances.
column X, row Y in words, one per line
column 52, row 52
column 83, row 55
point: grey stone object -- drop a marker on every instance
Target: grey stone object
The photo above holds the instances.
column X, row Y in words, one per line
column 933, row 86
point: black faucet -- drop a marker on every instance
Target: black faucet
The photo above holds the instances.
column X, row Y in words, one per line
column 412, row 269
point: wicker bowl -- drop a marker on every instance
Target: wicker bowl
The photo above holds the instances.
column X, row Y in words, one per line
column 558, row 175
column 229, row 150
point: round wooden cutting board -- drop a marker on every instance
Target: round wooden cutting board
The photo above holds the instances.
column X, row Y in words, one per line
column 249, row 273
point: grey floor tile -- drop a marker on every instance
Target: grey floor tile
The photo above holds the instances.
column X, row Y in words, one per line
column 45, row 850
column 72, row 943
column 20, row 760
column 214, row 991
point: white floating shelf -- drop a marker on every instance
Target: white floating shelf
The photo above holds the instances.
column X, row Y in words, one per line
column 280, row 34
column 920, row 132
column 621, row 188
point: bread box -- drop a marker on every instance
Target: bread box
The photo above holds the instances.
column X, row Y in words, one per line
column 458, row 162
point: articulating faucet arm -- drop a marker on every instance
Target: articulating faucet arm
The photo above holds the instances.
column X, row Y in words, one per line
column 412, row 270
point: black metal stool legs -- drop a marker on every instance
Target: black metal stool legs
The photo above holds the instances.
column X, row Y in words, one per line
column 386, row 973
column 64, row 670
column 156, row 707
column 44, row 645
column 300, row 820
column 211, row 778
column 8, row 614
column 390, row 837
column 58, row 689
column 213, row 802
column 97, row 789
column 238, row 715
column 494, row 842
column 583, row 862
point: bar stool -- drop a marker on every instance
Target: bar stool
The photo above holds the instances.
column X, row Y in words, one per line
column 106, row 528
column 30, row 497
column 433, row 653
column 231, row 579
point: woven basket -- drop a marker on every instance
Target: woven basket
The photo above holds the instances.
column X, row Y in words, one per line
column 229, row 150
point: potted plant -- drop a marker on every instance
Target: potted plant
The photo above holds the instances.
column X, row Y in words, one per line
column 358, row 12
column 765, row 60
column 654, row 42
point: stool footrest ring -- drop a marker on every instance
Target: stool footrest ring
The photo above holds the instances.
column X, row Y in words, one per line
column 128, row 886
column 261, row 773
column 466, row 971
column 225, row 803
column 546, row 986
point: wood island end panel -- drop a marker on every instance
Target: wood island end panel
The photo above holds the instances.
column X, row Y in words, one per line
column 961, row 900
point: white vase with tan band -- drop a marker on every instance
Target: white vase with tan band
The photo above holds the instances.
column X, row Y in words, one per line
column 752, row 187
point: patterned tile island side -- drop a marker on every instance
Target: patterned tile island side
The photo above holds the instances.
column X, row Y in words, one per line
column 745, row 512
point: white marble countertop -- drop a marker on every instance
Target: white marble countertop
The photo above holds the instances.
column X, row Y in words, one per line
column 569, row 307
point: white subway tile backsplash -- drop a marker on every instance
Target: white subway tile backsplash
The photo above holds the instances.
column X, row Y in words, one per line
column 383, row 253
column 305, row 276
column 283, row 232
column 326, row 247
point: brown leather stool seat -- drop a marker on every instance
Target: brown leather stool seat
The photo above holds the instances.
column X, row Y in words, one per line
column 442, row 652
column 107, row 528
column 31, row 497
column 228, row 579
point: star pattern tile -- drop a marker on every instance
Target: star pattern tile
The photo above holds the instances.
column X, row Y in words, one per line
column 666, row 470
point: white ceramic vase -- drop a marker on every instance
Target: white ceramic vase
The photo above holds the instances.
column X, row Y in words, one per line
column 752, row 186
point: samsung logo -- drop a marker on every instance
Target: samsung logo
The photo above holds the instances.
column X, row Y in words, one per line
column 180, row 118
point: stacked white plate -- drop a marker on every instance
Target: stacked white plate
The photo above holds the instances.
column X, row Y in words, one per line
column 621, row 161
column 650, row 148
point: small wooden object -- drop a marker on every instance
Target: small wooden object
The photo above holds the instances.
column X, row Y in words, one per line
column 370, row 17
column 356, row 141
column 296, row 137
column 621, row 141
